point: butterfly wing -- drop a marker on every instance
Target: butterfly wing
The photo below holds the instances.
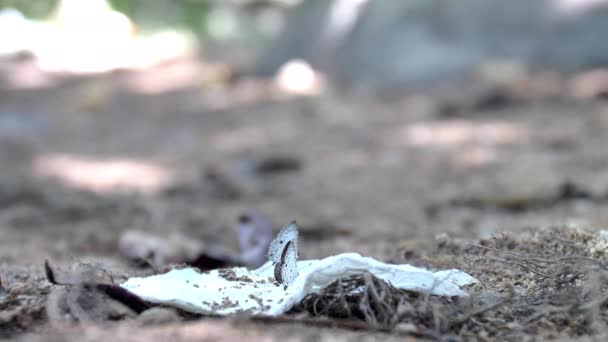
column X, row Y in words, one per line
column 288, row 233
column 286, row 270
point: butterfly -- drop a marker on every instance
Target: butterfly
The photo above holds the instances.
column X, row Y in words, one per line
column 286, row 270
column 288, row 233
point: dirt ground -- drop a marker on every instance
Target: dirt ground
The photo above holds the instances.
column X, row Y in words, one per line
column 401, row 179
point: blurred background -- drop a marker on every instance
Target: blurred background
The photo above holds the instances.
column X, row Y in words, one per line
column 378, row 125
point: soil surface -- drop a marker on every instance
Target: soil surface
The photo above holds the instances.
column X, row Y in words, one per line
column 397, row 178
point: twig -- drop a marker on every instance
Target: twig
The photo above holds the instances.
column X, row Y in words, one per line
column 93, row 267
column 476, row 312
column 522, row 266
column 598, row 302
column 548, row 311
column 113, row 291
column 530, row 258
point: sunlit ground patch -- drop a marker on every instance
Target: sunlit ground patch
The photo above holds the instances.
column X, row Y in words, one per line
column 109, row 175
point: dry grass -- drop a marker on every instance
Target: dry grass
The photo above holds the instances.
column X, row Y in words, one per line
column 551, row 283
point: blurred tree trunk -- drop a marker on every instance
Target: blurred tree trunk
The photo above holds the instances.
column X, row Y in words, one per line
column 315, row 30
column 390, row 42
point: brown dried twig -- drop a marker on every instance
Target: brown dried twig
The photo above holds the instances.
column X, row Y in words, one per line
column 113, row 291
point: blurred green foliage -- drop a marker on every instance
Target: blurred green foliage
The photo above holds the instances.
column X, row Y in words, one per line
column 187, row 13
column 217, row 19
column 36, row 9
column 184, row 14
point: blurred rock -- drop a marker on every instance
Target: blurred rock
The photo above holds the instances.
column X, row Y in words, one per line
column 159, row 251
column 156, row 250
column 590, row 84
column 157, row 316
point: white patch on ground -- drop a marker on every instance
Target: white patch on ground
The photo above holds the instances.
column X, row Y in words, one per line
column 229, row 291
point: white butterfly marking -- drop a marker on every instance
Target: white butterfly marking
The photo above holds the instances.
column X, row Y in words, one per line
column 286, row 270
column 288, row 233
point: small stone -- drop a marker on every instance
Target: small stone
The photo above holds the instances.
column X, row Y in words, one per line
column 158, row 315
column 18, row 289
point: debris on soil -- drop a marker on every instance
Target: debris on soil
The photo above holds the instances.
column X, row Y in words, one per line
column 22, row 307
column 277, row 165
column 212, row 293
column 361, row 296
column 207, row 261
column 87, row 300
column 550, row 282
